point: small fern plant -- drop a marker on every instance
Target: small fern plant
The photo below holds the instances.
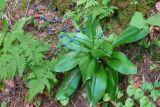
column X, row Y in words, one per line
column 19, row 52
column 2, row 6
column 96, row 8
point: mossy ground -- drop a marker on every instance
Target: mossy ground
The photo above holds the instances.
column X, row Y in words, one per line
column 126, row 10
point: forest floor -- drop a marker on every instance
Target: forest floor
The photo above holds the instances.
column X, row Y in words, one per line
column 15, row 90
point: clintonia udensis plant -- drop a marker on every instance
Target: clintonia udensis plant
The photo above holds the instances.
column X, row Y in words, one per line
column 94, row 58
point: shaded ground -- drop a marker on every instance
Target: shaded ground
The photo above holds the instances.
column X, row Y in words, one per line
column 14, row 91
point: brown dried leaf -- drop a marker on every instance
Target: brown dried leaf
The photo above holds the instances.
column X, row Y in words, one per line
column 158, row 102
column 151, row 31
column 9, row 83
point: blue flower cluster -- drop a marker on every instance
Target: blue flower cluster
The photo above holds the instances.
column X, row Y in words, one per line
column 64, row 28
column 54, row 19
column 78, row 30
column 62, row 36
column 44, row 18
column 35, row 7
column 50, row 30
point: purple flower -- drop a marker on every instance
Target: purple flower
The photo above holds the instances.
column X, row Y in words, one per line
column 54, row 19
column 64, row 28
column 55, row 9
column 49, row 30
column 64, row 45
column 36, row 7
column 43, row 18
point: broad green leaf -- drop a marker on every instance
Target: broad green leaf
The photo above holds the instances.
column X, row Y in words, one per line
column 99, row 31
column 104, row 49
column 130, row 90
column 131, row 34
column 69, row 85
column 111, row 37
column 76, row 24
column 75, row 41
column 87, row 67
column 97, row 42
column 98, row 53
column 129, row 102
column 64, row 102
column 139, row 21
column 112, row 83
column 96, row 86
column 139, row 93
column 119, row 104
column 154, row 20
column 67, row 62
column 119, row 62
column 91, row 26
column 106, row 97
column 147, row 86
column 120, row 94
column 144, row 101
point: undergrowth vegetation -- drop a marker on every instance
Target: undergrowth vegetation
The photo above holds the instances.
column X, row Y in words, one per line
column 21, row 52
column 144, row 96
column 93, row 57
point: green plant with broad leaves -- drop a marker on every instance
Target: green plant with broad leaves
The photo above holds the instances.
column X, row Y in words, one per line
column 144, row 96
column 94, row 58
column 22, row 54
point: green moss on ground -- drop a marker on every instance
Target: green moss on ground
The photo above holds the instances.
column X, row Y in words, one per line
column 125, row 12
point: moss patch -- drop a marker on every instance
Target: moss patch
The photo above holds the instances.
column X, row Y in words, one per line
column 125, row 12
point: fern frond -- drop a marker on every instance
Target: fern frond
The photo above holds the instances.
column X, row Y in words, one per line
column 81, row 2
column 2, row 5
column 35, row 87
column 21, row 64
column 43, row 74
column 18, row 26
column 21, row 51
column 101, row 12
column 2, row 35
column 91, row 3
column 7, row 66
column 33, row 49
